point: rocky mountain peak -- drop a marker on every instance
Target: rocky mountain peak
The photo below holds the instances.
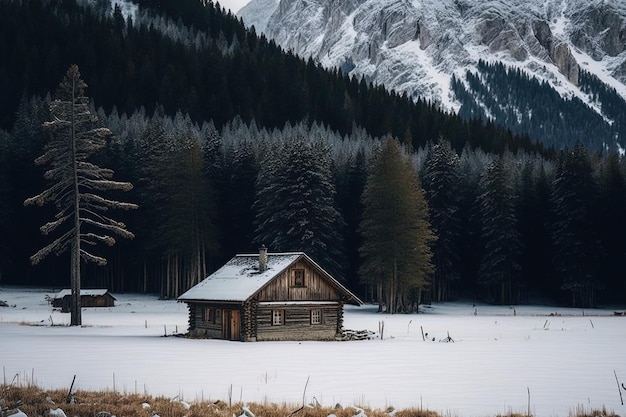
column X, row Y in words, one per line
column 415, row 45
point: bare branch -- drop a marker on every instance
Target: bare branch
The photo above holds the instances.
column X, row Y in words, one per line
column 51, row 226
column 88, row 197
column 57, row 246
column 92, row 258
column 110, row 185
column 48, row 195
column 108, row 240
column 117, row 227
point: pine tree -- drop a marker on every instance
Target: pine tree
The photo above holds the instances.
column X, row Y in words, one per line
column 75, row 182
column 397, row 236
column 154, row 152
column 472, row 165
column 189, row 228
column 611, row 226
column 5, row 210
column 295, row 206
column 574, row 234
column 499, row 267
column 441, row 181
column 351, row 179
column 533, row 213
column 24, row 178
column 240, row 193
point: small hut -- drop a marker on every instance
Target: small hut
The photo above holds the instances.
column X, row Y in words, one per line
column 268, row 296
column 88, row 298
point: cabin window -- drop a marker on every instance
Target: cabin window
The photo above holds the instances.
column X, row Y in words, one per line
column 218, row 316
column 209, row 315
column 298, row 278
column 316, row 316
column 278, row 317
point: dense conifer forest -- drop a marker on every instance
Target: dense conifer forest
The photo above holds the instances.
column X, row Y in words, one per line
column 231, row 143
column 509, row 96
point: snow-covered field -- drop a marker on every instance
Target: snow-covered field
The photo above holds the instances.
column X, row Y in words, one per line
column 501, row 357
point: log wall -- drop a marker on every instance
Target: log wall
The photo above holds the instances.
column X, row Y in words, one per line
column 199, row 327
column 297, row 322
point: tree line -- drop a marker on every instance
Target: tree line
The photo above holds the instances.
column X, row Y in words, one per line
column 503, row 228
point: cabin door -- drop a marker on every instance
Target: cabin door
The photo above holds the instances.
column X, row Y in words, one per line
column 230, row 324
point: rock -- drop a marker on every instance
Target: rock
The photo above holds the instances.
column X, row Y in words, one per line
column 57, row 412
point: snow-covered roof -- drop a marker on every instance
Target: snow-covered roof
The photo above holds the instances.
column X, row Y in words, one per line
column 239, row 278
column 90, row 293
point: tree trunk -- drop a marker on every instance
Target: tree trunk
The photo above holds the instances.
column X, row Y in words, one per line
column 75, row 319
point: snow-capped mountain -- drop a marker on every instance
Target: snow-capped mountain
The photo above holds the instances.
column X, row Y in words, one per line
column 416, row 46
column 257, row 13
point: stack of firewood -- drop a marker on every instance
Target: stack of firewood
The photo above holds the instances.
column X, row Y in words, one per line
column 358, row 335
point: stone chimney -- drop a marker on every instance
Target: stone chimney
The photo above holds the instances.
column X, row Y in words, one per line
column 262, row 258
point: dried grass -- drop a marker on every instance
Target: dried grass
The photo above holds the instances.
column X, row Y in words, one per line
column 34, row 402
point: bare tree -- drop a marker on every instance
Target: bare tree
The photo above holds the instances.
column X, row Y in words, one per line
column 75, row 182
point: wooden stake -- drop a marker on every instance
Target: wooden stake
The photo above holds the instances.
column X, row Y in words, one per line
column 68, row 399
column 528, row 389
column 303, row 397
column 423, row 338
column 304, row 392
column 620, row 391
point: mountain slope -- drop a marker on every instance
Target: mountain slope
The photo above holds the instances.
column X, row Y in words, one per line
column 416, row 46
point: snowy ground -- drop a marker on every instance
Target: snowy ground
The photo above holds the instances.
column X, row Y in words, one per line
column 565, row 358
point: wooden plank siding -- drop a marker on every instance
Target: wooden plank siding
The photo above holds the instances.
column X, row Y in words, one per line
column 106, row 300
column 297, row 322
column 214, row 329
column 283, row 288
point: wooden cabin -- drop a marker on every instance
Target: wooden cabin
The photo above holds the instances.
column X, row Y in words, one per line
column 268, row 296
column 88, row 298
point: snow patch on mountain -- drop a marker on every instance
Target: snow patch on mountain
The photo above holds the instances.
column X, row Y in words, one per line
column 257, row 13
column 415, row 46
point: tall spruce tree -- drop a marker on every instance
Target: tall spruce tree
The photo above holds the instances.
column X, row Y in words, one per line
column 533, row 214
column 397, row 236
column 441, row 181
column 153, row 157
column 611, row 226
column 295, row 206
column 238, row 215
column 5, row 210
column 189, row 227
column 75, row 184
column 351, row 179
column 499, row 266
column 574, row 235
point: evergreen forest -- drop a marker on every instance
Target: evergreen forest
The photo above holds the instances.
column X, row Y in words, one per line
column 231, row 143
column 510, row 96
